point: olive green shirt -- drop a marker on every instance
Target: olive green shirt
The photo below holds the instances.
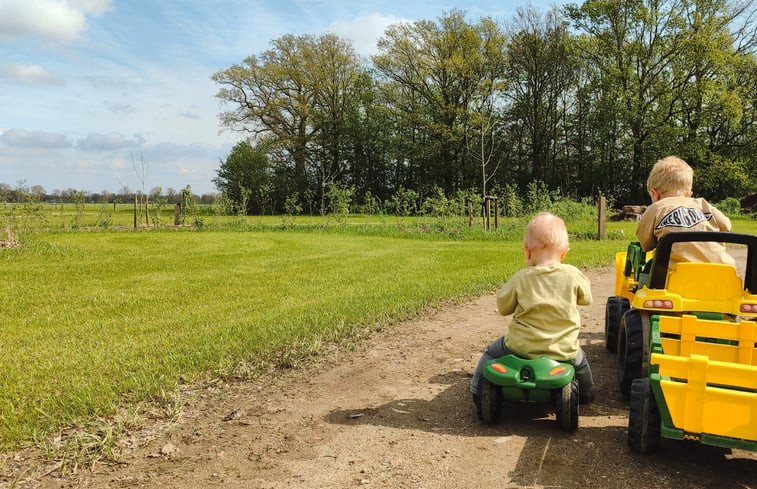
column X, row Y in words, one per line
column 543, row 300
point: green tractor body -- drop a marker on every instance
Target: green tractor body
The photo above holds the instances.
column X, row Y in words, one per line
column 512, row 378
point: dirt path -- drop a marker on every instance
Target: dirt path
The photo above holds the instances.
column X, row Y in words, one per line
column 397, row 414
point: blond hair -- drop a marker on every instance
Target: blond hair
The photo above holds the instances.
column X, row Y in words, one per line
column 546, row 230
column 670, row 175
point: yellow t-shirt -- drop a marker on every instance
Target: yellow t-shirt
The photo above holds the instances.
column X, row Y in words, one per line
column 674, row 214
column 543, row 300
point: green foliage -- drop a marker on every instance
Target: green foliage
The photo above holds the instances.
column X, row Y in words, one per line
column 104, row 217
column 510, row 201
column 26, row 217
column 242, row 205
column 371, row 205
column 539, row 197
column 339, row 200
column 222, row 206
column 157, row 205
column 456, row 103
column 436, row 204
column 571, row 211
column 245, row 173
column 729, row 206
column 78, row 198
column 464, row 197
column 404, row 202
column 291, row 208
column 723, row 178
column 189, row 208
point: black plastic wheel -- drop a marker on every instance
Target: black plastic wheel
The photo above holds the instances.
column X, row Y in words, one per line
column 643, row 419
column 489, row 402
column 614, row 309
column 566, row 406
column 630, row 350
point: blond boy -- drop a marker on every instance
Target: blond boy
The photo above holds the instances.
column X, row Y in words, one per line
column 543, row 299
column 673, row 209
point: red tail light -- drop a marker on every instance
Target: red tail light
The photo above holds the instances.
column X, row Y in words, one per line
column 499, row 367
column 557, row 371
column 659, row 304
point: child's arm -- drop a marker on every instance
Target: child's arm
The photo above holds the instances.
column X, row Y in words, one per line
column 720, row 220
column 583, row 295
column 645, row 229
column 506, row 299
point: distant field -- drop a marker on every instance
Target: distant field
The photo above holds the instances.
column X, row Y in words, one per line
column 90, row 321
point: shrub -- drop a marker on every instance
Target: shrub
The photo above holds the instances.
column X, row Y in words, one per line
column 403, row 202
column 729, row 206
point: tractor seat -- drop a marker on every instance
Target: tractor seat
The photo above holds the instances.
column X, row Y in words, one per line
column 705, row 281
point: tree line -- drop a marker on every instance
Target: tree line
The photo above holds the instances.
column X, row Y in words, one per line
column 21, row 192
column 582, row 100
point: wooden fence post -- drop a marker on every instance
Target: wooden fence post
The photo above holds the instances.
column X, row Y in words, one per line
column 176, row 214
column 496, row 213
column 487, row 210
column 602, row 219
column 469, row 206
column 135, row 211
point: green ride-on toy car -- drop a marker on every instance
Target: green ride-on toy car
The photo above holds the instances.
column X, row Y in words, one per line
column 512, row 378
column 686, row 343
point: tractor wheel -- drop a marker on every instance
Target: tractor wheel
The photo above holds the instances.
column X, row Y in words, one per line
column 489, row 402
column 630, row 350
column 614, row 309
column 566, row 406
column 643, row 418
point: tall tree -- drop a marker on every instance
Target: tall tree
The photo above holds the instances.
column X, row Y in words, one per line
column 272, row 95
column 295, row 96
column 338, row 80
column 433, row 71
column 636, row 43
column 540, row 68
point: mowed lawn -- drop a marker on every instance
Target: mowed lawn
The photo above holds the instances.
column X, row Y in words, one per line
column 92, row 321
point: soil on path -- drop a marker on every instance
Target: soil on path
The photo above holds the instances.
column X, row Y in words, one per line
column 397, row 413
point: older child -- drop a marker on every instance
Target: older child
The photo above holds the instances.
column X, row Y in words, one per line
column 543, row 298
column 674, row 209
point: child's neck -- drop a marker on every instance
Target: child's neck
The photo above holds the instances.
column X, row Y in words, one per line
column 543, row 256
column 672, row 193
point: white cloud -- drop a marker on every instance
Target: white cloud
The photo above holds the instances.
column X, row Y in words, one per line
column 60, row 20
column 30, row 74
column 86, row 165
column 118, row 164
column 364, row 31
column 120, row 108
column 94, row 7
column 169, row 151
column 108, row 142
column 20, row 138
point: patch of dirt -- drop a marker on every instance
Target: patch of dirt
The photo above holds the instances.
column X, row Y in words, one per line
column 397, row 413
column 7, row 240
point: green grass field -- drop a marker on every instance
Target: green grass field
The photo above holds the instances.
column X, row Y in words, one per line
column 93, row 321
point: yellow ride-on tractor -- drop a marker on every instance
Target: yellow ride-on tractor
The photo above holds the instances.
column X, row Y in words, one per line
column 686, row 343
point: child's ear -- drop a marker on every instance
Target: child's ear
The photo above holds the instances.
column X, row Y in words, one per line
column 528, row 254
column 564, row 254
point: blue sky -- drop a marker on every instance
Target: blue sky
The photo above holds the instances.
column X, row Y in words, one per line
column 89, row 86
